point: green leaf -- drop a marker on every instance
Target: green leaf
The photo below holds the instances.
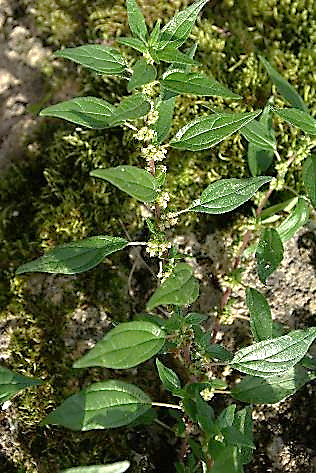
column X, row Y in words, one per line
column 134, row 181
column 133, row 43
column 130, row 108
column 218, row 352
column 181, row 288
column 260, row 315
column 309, row 177
column 173, row 56
column 86, row 111
column 285, row 206
column 255, row 132
column 243, row 422
column 168, row 378
column 97, row 57
column 286, row 89
column 195, row 318
column 103, row 405
column 205, row 132
column 270, row 390
column 181, row 82
column 259, row 158
column 136, row 20
column 118, row 467
column 125, row 346
column 275, row 356
column 205, row 415
column 162, row 126
column 297, row 219
column 269, row 253
column 175, row 33
column 143, row 73
column 226, row 460
column 11, row 383
column 75, row 257
column 154, row 35
column 225, row 195
column 298, row 119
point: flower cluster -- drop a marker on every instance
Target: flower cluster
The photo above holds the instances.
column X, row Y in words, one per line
column 157, row 248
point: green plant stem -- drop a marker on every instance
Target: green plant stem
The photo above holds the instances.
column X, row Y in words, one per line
column 170, row 406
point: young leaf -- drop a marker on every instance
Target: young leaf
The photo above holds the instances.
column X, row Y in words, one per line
column 130, row 108
column 103, row 405
column 269, row 253
column 181, row 82
column 143, row 73
column 95, row 56
column 173, row 56
column 309, row 177
column 205, row 132
column 225, row 195
column 205, row 415
column 275, row 356
column 136, row 20
column 86, row 111
column 243, row 423
column 162, row 126
column 134, row 181
column 175, row 33
column 125, row 346
column 11, row 383
column 299, row 119
column 75, row 257
column 270, row 390
column 255, row 132
column 259, row 159
column 133, row 43
column 154, row 35
column 286, row 89
column 118, row 467
column 168, row 378
column 181, row 288
column 297, row 219
column 194, row 318
column 260, row 315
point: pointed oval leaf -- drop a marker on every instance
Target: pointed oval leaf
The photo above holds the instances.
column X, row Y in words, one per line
column 136, row 20
column 118, row 467
column 133, row 43
column 103, row 405
column 260, row 159
column 260, row 315
column 205, row 132
column 296, row 220
column 97, row 57
column 272, row 389
column 134, row 181
column 181, row 288
column 125, row 346
column 225, row 195
column 75, row 257
column 269, row 253
column 162, row 126
column 173, row 56
column 130, row 108
column 255, row 132
column 168, row 378
column 86, row 111
column 154, row 35
column 275, row 356
column 176, row 32
column 309, row 177
column 299, row 119
column 11, row 383
column 286, row 89
column 143, row 73
column 181, row 82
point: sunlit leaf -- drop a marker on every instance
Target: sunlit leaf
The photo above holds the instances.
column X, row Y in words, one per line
column 225, row 195
column 134, row 181
column 103, row 405
column 143, row 73
column 130, row 108
column 181, row 288
column 298, row 119
column 163, row 124
column 133, row 43
column 205, row 132
column 168, row 378
column 100, row 58
column 296, row 220
column 275, row 356
column 75, row 257
column 259, row 158
column 125, row 346
column 309, row 177
column 173, row 56
column 255, row 132
column 136, row 20
column 118, row 467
